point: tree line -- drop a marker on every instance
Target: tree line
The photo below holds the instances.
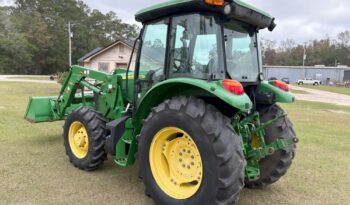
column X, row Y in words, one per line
column 326, row 51
column 34, row 34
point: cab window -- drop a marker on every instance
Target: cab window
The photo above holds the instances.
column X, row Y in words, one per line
column 153, row 50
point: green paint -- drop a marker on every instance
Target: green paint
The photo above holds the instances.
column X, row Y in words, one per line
column 171, row 3
column 166, row 4
column 251, row 7
column 249, row 127
column 281, row 95
column 123, row 157
column 187, row 87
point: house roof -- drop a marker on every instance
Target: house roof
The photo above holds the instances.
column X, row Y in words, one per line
column 99, row 50
column 96, row 50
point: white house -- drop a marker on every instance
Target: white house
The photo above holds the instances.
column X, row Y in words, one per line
column 113, row 56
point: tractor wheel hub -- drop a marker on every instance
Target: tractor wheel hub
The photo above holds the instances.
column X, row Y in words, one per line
column 176, row 163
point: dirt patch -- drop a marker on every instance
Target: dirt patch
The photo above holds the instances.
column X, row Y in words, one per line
column 336, row 111
column 321, row 96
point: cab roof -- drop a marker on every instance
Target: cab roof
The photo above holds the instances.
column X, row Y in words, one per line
column 239, row 10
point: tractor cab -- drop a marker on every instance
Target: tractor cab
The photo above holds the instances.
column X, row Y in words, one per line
column 208, row 40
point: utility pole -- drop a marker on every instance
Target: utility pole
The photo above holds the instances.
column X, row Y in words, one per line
column 304, row 58
column 70, row 36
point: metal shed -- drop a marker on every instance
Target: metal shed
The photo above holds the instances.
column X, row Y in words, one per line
column 294, row 73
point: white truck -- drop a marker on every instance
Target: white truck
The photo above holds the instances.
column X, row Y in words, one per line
column 309, row 81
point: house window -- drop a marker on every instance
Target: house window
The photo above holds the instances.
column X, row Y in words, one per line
column 121, row 65
column 103, row 67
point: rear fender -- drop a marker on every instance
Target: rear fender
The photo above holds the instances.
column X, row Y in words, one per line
column 281, row 95
column 187, row 87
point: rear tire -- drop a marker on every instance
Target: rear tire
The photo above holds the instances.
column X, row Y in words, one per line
column 92, row 129
column 219, row 147
column 274, row 166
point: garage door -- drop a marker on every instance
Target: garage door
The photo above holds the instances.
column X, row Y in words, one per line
column 347, row 75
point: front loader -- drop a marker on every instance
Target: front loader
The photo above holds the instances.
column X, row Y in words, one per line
column 195, row 111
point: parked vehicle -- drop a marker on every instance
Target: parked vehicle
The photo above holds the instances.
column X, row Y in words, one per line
column 286, row 80
column 200, row 123
column 273, row 78
column 309, row 81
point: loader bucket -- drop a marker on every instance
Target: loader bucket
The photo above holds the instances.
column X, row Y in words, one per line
column 40, row 109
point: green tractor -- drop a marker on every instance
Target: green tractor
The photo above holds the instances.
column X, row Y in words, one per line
column 194, row 110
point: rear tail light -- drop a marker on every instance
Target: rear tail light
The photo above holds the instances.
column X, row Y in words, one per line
column 233, row 86
column 215, row 2
column 281, row 85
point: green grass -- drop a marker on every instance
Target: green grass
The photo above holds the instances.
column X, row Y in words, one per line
column 31, row 77
column 35, row 170
column 334, row 89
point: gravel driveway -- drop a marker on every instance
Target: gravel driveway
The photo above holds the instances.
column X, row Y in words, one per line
column 322, row 96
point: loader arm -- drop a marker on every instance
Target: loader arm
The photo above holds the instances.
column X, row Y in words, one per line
column 78, row 90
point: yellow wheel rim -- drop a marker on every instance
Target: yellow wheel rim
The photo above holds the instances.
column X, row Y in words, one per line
column 78, row 139
column 176, row 163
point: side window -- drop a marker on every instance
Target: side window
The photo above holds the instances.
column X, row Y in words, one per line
column 152, row 57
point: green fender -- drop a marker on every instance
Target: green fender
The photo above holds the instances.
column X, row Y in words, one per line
column 187, row 87
column 281, row 95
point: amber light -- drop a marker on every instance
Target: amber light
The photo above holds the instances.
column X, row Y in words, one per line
column 215, row 2
column 281, row 85
column 233, row 86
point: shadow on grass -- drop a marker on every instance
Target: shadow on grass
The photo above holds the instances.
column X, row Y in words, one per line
column 46, row 139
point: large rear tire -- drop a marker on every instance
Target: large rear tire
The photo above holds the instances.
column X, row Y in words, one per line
column 273, row 167
column 184, row 126
column 84, row 138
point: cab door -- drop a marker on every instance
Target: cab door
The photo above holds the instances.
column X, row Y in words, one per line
column 151, row 64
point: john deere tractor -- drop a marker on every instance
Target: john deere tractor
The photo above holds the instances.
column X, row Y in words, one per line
column 194, row 109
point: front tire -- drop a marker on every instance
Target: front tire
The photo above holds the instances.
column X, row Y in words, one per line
column 190, row 125
column 84, row 138
column 274, row 166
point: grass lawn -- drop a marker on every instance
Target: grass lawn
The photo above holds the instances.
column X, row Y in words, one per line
column 28, row 77
column 334, row 89
column 35, row 170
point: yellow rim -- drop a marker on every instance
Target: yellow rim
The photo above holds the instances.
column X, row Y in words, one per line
column 176, row 163
column 78, row 139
